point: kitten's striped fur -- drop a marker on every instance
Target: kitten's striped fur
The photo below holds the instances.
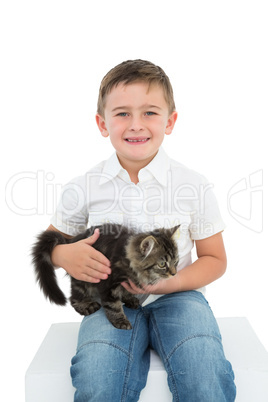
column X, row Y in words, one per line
column 144, row 258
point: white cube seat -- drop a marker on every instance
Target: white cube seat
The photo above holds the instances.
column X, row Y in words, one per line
column 48, row 376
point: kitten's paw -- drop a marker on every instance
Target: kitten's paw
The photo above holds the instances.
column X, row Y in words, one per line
column 132, row 303
column 122, row 324
column 86, row 308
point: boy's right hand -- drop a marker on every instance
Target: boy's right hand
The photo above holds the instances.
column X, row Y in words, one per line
column 81, row 260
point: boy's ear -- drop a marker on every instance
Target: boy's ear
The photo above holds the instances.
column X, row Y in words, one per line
column 102, row 126
column 171, row 122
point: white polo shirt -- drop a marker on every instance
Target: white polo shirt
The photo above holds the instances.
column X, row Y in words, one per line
column 166, row 195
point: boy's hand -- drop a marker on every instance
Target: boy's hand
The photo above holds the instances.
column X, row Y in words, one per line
column 81, row 260
column 157, row 289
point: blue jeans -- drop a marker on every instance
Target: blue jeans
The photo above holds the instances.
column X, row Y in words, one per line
column 111, row 365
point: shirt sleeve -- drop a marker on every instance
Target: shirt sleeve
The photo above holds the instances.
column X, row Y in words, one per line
column 206, row 219
column 71, row 216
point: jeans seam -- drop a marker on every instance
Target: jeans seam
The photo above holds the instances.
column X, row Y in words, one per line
column 174, row 390
column 106, row 343
column 128, row 368
column 188, row 339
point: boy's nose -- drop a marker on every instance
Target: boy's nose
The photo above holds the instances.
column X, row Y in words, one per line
column 136, row 124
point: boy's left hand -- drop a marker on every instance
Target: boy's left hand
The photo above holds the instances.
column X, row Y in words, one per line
column 157, row 289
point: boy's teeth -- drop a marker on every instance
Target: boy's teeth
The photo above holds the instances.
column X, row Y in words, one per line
column 145, row 139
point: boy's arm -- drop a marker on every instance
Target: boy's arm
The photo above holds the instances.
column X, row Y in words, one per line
column 80, row 259
column 210, row 265
column 51, row 227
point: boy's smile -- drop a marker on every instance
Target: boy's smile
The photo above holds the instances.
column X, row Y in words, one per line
column 136, row 119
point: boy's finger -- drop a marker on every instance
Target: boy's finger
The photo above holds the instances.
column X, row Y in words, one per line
column 96, row 274
column 99, row 260
column 92, row 239
column 132, row 288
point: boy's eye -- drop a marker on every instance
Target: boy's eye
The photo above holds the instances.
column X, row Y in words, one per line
column 122, row 114
column 149, row 113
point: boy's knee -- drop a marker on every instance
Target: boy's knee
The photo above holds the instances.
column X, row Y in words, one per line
column 200, row 369
column 93, row 375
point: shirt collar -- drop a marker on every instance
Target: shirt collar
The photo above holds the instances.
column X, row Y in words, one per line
column 111, row 169
column 157, row 168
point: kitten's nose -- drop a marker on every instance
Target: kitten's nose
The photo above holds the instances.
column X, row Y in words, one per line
column 173, row 271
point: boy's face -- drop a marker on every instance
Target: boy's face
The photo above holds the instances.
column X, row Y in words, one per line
column 136, row 119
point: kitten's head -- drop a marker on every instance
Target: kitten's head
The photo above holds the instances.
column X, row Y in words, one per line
column 154, row 255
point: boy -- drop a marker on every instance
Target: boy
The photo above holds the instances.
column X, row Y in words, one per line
column 141, row 186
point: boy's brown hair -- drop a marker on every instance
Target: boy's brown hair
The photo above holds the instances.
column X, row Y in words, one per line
column 131, row 71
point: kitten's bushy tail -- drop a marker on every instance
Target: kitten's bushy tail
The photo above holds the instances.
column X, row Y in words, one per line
column 44, row 269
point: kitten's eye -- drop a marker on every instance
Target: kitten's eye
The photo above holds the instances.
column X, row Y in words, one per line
column 161, row 264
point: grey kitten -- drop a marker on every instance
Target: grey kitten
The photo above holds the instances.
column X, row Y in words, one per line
column 143, row 258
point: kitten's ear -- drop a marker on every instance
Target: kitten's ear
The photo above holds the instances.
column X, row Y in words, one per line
column 174, row 232
column 147, row 245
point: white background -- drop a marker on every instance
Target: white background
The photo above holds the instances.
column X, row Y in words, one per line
column 54, row 55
